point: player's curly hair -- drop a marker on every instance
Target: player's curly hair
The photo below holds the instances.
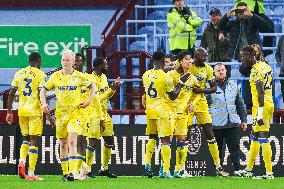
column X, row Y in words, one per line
column 34, row 57
column 248, row 49
column 183, row 54
column 80, row 55
column 158, row 55
column 98, row 61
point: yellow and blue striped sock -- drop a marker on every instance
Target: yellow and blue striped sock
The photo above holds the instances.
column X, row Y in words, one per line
column 106, row 157
column 150, row 148
column 24, row 150
column 90, row 152
column 253, row 151
column 33, row 155
column 213, row 148
column 166, row 156
column 80, row 160
column 183, row 156
column 72, row 164
column 179, row 155
column 64, row 165
column 266, row 153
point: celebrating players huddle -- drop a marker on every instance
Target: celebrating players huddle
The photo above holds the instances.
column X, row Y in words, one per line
column 172, row 99
column 173, row 96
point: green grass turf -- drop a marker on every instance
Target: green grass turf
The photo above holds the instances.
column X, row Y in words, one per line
column 54, row 182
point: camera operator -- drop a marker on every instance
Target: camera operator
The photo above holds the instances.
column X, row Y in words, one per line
column 243, row 27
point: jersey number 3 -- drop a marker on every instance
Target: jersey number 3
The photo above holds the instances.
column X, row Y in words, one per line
column 152, row 92
column 28, row 90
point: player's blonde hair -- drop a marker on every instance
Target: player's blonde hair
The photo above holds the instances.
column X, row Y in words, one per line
column 70, row 54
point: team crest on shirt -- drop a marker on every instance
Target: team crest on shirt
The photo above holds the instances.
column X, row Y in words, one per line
column 153, row 76
column 188, row 88
column 199, row 78
column 103, row 90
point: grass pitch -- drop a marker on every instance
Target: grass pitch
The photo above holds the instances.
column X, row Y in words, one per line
column 54, row 182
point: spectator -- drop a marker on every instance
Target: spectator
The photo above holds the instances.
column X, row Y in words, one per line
column 257, row 7
column 279, row 55
column 214, row 39
column 182, row 23
column 228, row 113
column 244, row 30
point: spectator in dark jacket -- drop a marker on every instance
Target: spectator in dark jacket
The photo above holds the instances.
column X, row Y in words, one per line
column 279, row 55
column 214, row 39
column 257, row 7
column 244, row 30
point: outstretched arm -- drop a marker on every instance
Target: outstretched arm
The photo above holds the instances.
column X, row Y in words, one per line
column 174, row 94
column 43, row 102
column 9, row 116
column 212, row 89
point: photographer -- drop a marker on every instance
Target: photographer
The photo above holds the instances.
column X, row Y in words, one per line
column 257, row 7
column 243, row 30
column 182, row 23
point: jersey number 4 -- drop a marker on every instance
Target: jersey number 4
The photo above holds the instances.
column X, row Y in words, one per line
column 28, row 90
column 152, row 92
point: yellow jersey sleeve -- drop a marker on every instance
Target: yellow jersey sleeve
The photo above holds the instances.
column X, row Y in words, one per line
column 43, row 80
column 210, row 73
column 261, row 72
column 15, row 81
column 169, row 84
column 85, row 81
column 50, row 84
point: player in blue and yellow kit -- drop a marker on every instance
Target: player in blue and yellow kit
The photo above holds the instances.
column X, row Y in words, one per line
column 262, row 111
column 159, row 90
column 101, row 124
column 85, row 120
column 67, row 84
column 204, row 74
column 28, row 82
column 181, row 106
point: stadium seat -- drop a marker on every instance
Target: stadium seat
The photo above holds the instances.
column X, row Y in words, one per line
column 159, row 15
column 194, row 2
column 7, row 75
column 197, row 43
column 269, row 12
column 122, row 67
column 278, row 27
column 163, row 2
column 140, row 119
column 140, row 46
column 278, row 11
column 235, row 73
column 270, row 58
column 149, row 30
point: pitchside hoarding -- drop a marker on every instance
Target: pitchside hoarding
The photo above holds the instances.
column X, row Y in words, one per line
column 129, row 152
column 17, row 42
